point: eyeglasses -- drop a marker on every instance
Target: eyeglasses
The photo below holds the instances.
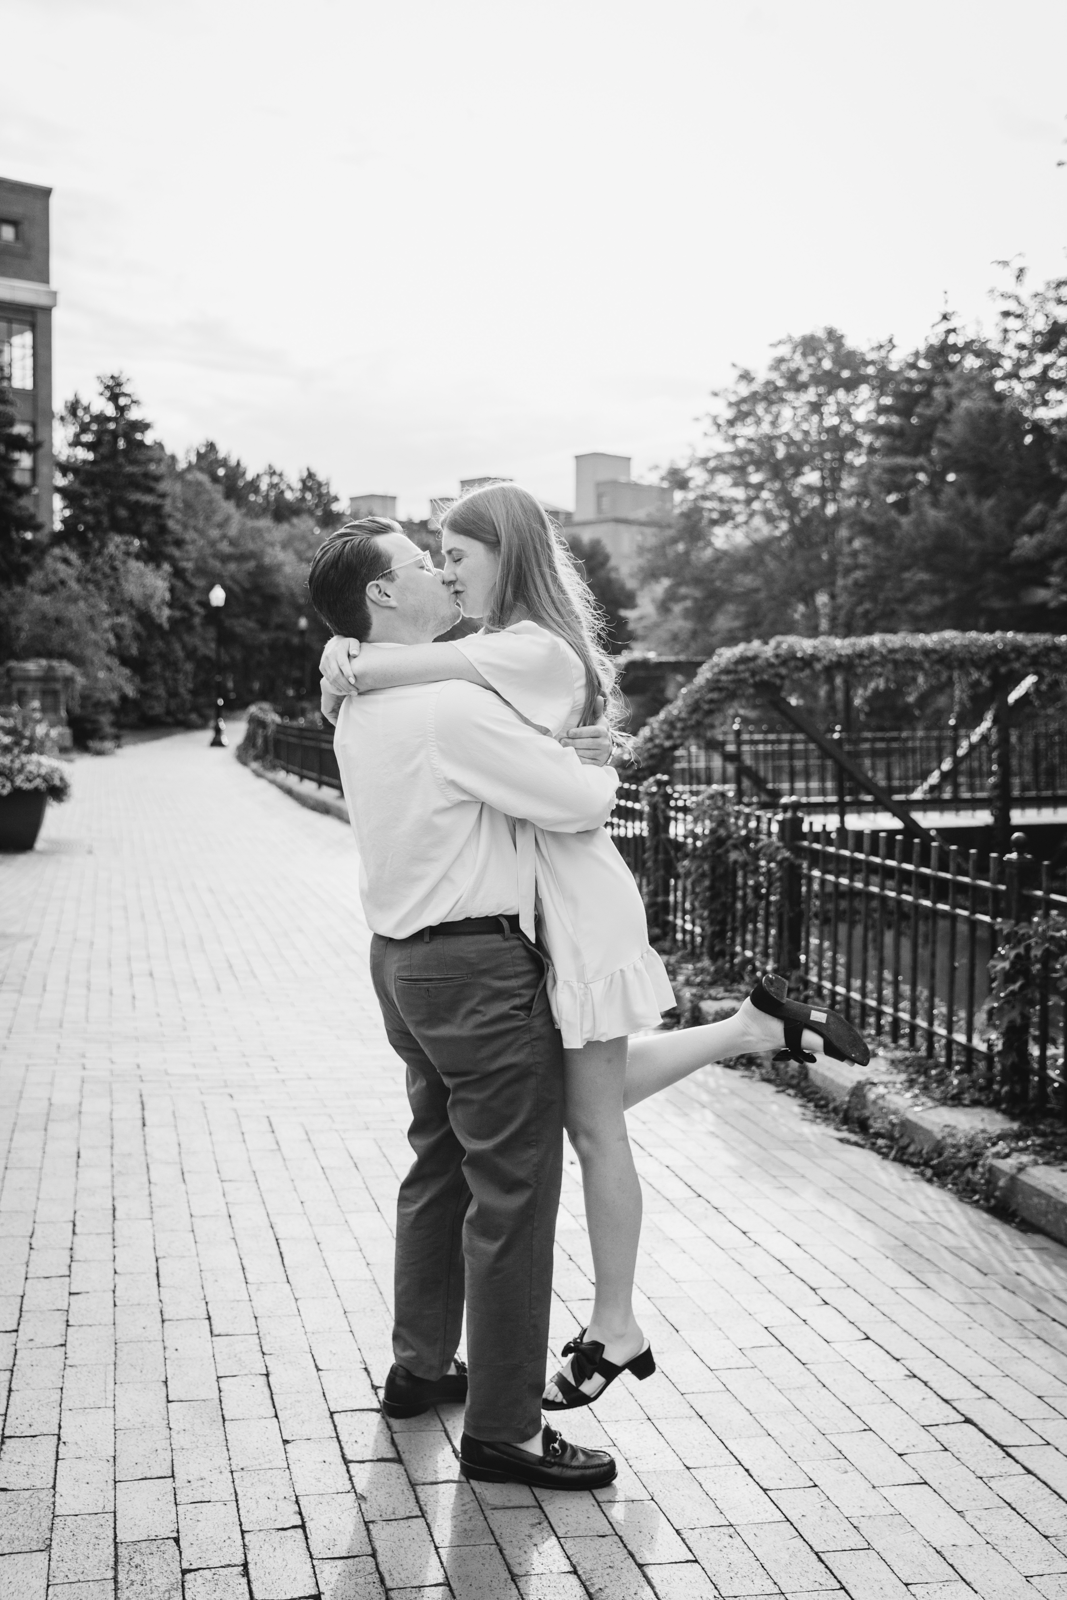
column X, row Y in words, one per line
column 423, row 556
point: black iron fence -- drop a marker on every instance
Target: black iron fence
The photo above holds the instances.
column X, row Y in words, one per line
column 305, row 751
column 935, row 766
column 901, row 937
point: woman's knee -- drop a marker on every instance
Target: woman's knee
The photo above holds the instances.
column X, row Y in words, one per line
column 593, row 1137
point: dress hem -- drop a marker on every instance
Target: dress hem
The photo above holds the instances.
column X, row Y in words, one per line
column 627, row 1000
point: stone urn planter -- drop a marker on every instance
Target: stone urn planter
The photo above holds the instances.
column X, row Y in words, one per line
column 44, row 688
column 30, row 776
column 21, row 814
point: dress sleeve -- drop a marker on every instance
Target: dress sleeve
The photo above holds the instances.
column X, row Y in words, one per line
column 536, row 673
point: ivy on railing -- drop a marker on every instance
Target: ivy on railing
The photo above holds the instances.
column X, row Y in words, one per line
column 1028, row 967
column 746, row 672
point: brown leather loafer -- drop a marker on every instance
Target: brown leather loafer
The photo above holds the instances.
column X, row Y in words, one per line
column 559, row 1466
column 405, row 1395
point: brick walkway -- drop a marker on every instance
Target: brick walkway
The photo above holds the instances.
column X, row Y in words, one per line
column 862, row 1386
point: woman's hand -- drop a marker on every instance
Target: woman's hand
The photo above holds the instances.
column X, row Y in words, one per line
column 337, row 665
column 329, row 703
column 593, row 744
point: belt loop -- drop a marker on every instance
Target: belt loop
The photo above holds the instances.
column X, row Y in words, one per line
column 425, row 935
column 503, row 921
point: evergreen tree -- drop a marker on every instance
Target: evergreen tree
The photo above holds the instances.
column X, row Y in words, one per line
column 955, row 524
column 112, row 478
column 227, row 473
column 17, row 521
column 268, row 493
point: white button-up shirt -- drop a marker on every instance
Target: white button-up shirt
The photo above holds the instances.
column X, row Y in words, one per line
column 432, row 774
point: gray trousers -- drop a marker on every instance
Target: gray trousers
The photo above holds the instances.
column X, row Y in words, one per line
column 476, row 1214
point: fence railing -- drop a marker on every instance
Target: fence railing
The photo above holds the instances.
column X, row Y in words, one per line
column 896, row 935
column 916, row 764
column 790, row 765
column 307, row 752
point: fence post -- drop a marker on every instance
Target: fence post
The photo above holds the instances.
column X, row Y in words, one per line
column 1000, row 766
column 656, row 792
column 954, row 744
column 839, row 773
column 1018, row 879
column 1017, row 978
column 791, row 905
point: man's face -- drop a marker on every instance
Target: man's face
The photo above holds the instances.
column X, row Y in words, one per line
column 419, row 593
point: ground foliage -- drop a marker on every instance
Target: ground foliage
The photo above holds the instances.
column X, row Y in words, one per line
column 730, row 864
column 1029, row 963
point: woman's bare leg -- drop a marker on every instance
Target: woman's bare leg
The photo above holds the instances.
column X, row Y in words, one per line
column 660, row 1059
column 596, row 1125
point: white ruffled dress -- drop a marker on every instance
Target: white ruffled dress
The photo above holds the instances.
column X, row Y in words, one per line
column 606, row 980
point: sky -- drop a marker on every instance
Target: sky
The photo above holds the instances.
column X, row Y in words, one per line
column 412, row 241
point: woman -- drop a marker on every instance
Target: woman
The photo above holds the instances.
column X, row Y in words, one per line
column 541, row 650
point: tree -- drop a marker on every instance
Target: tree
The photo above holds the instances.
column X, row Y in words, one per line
column 610, row 590
column 849, row 490
column 262, row 565
column 17, row 521
column 112, row 478
column 959, row 518
column 758, row 544
column 58, row 613
column 315, row 499
column 226, row 473
column 268, row 493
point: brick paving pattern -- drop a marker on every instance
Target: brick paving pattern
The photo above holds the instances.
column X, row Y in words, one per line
column 862, row 1386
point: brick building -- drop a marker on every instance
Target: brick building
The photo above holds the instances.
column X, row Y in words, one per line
column 26, row 302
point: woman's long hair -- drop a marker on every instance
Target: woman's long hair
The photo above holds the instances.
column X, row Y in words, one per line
column 538, row 580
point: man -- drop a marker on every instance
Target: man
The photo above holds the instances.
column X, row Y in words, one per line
column 432, row 773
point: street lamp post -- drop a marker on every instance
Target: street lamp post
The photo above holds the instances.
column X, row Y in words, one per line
column 216, row 600
column 302, row 630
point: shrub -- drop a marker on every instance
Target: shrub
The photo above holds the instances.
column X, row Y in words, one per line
column 255, row 746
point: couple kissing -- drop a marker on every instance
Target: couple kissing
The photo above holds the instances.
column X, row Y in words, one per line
column 511, row 961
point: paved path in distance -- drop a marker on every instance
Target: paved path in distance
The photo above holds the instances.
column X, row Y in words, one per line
column 862, row 1386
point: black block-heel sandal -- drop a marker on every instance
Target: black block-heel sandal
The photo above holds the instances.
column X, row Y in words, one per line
column 841, row 1039
column 589, row 1362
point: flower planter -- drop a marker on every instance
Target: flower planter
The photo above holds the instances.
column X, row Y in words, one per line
column 21, row 815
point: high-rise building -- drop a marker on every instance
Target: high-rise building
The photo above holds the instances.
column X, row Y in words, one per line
column 372, row 505
column 26, row 302
column 610, row 507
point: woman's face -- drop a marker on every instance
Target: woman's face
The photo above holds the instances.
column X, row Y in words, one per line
column 471, row 568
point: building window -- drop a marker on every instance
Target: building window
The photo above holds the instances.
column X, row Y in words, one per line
column 603, row 503
column 16, row 353
column 23, row 460
column 9, row 232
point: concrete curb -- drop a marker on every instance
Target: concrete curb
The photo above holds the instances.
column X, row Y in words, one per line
column 1035, row 1193
column 873, row 1096
column 314, row 801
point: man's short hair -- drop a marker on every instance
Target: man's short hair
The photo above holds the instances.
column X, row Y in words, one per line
column 341, row 570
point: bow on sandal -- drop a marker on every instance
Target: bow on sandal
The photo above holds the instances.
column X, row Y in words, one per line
column 587, row 1362
column 841, row 1039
